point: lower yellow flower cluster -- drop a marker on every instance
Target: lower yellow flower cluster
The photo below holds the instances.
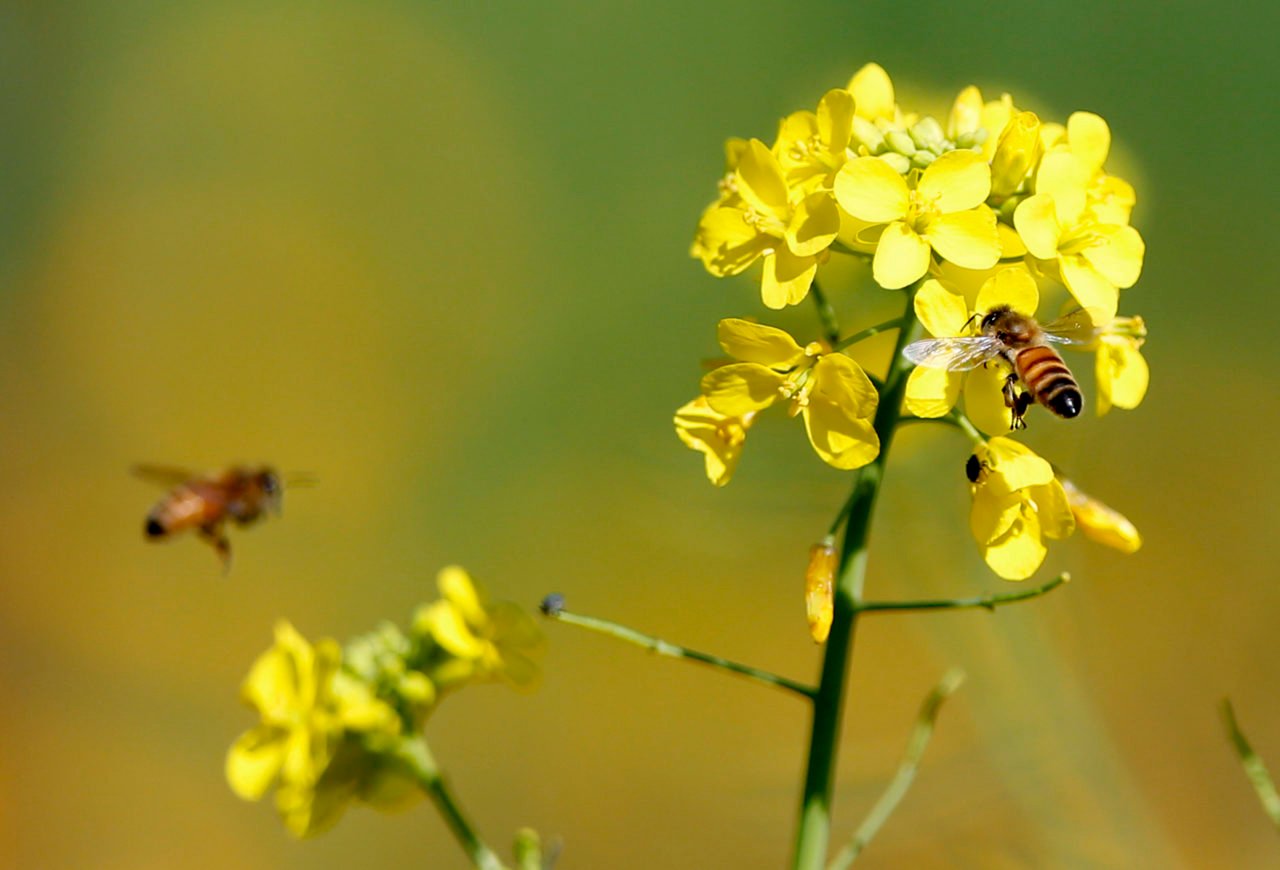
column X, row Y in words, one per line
column 333, row 721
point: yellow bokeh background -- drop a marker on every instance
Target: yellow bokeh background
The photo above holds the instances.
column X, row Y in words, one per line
column 435, row 256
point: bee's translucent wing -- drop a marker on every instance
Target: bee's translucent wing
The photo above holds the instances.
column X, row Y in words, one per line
column 954, row 354
column 165, row 475
column 1080, row 326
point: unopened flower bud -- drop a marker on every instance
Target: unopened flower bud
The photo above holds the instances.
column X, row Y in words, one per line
column 819, row 591
column 1017, row 152
column 927, row 134
column 900, row 164
column 900, row 142
column 868, row 134
column 1100, row 522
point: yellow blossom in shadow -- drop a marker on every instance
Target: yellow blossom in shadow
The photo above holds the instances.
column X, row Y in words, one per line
column 475, row 640
column 830, row 390
column 717, row 436
column 311, row 711
column 1017, row 504
column 1121, row 372
column 1100, row 522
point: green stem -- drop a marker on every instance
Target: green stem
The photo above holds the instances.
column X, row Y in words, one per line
column 906, row 770
column 416, row 756
column 1254, row 768
column 989, row 602
column 862, row 335
column 827, row 314
column 815, row 809
column 665, row 648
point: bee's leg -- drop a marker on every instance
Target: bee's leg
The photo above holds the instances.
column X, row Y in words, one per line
column 1015, row 401
column 217, row 538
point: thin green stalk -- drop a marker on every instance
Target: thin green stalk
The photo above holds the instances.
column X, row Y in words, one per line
column 862, row 335
column 1254, row 768
column 665, row 648
column 827, row 314
column 989, row 602
column 815, row 809
column 905, row 774
column 415, row 755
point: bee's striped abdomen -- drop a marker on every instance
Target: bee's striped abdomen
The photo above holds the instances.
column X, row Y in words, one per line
column 1049, row 380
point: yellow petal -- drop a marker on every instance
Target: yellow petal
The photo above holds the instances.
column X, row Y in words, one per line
column 956, row 181
column 901, row 257
column 1117, row 255
column 942, row 312
column 984, row 399
column 1011, row 244
column 1019, row 552
column 718, row 437
column 842, row 441
column 871, row 190
column 1090, row 138
column 1036, row 218
column 1052, row 509
column 841, row 381
column 742, row 388
column 1094, row 292
column 814, row 225
column 457, row 587
column 966, row 238
column 1064, row 177
column 726, row 243
column 966, row 112
column 757, row 343
column 835, row 119
column 1101, row 523
column 253, row 762
column 872, row 92
column 308, row 810
column 1012, row 286
column 445, row 624
column 932, row 392
column 993, row 513
column 760, row 181
column 1122, row 374
column 1016, row 153
column 787, row 278
column 1016, row 464
column 819, row 595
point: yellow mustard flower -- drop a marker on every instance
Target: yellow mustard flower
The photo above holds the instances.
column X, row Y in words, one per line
column 1017, row 153
column 812, row 146
column 1110, row 199
column 310, row 709
column 475, row 640
column 938, row 210
column 834, row 395
column 933, row 392
column 1017, row 504
column 763, row 221
column 1122, row 373
column 1094, row 259
column 1099, row 522
column 718, row 436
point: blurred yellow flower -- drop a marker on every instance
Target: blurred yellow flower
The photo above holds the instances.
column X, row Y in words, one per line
column 718, row 436
column 476, row 640
column 1121, row 372
column 762, row 220
column 835, row 396
column 1099, row 522
column 938, row 210
column 1017, row 504
column 309, row 708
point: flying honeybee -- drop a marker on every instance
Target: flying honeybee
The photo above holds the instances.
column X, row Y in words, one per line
column 206, row 502
column 1027, row 346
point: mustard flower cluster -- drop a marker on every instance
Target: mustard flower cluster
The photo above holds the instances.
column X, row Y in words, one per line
column 334, row 722
column 989, row 210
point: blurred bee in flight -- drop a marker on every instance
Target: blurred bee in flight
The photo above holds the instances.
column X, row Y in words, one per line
column 1028, row 348
column 207, row 502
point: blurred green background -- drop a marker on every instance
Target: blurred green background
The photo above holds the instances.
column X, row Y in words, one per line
column 436, row 255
